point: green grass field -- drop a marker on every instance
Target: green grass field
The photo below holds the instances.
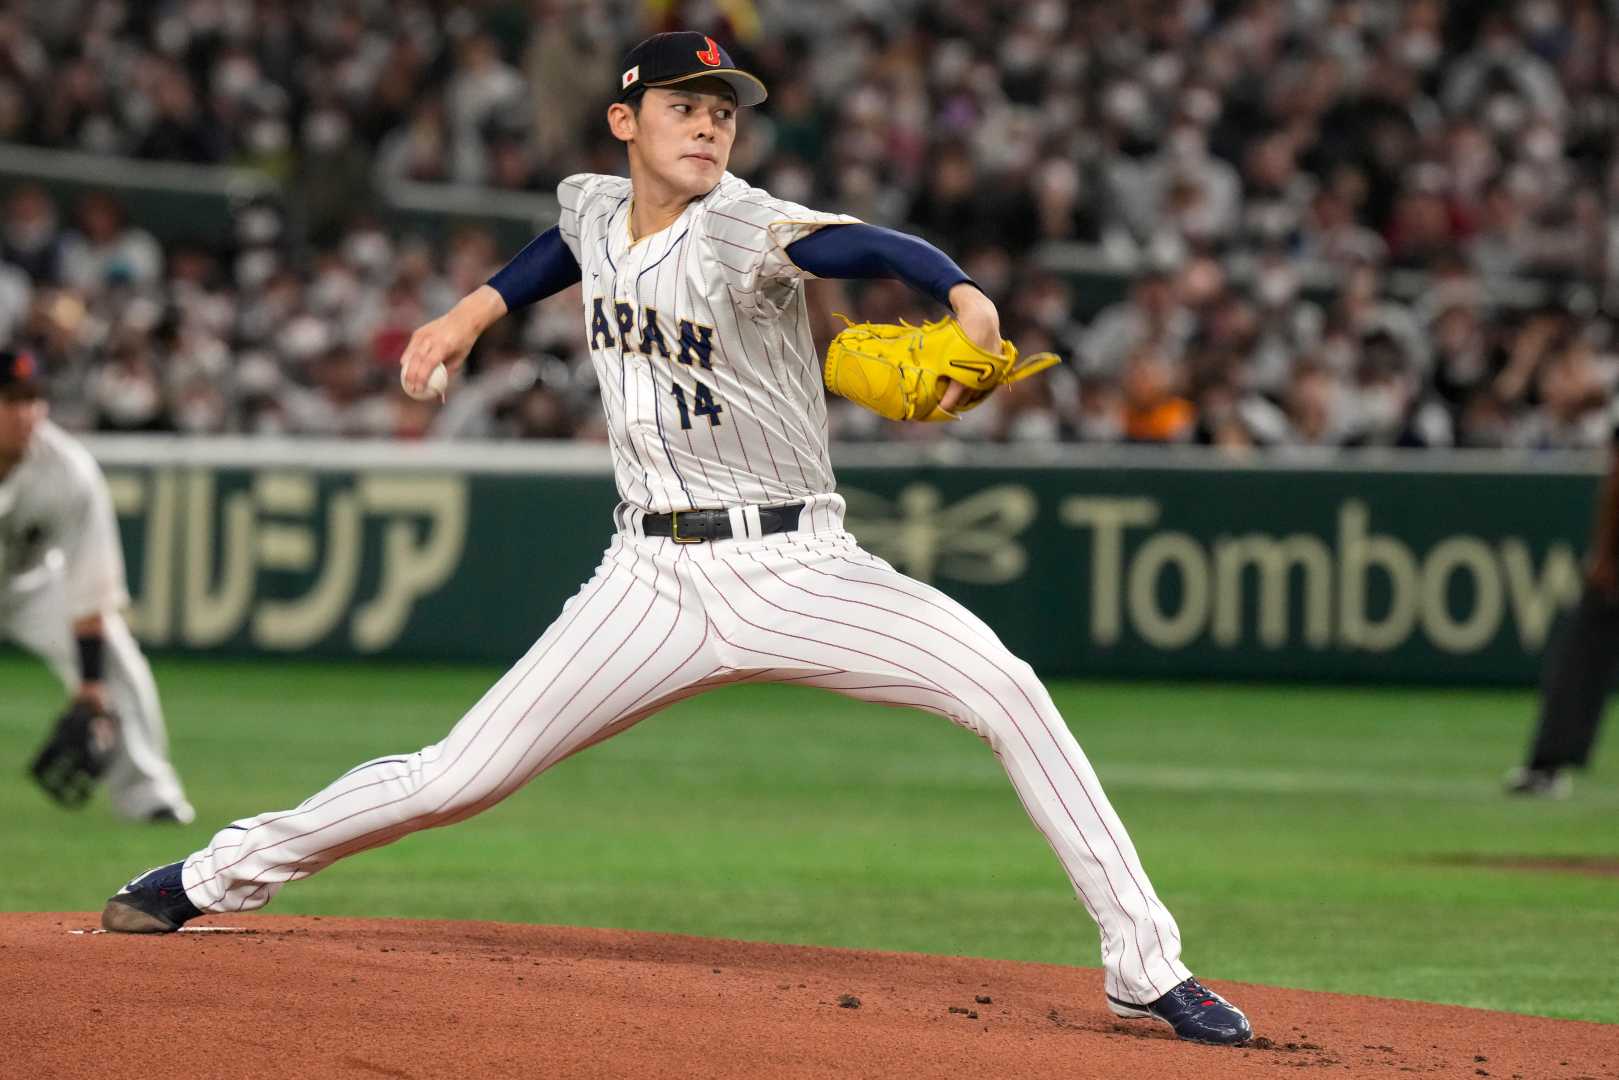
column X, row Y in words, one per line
column 1308, row 837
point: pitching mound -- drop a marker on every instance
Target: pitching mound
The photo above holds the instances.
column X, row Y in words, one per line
column 316, row 998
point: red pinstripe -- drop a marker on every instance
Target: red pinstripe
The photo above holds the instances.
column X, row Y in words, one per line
column 924, row 597
column 799, row 637
column 563, row 708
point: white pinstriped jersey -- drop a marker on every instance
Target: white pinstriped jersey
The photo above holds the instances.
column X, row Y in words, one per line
column 60, row 561
column 701, row 342
column 56, row 516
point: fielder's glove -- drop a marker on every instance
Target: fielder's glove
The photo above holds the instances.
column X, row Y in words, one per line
column 77, row 753
column 895, row 370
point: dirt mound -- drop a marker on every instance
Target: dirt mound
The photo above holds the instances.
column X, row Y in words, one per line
column 317, row 998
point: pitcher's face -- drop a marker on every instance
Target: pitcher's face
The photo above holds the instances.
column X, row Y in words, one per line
column 683, row 135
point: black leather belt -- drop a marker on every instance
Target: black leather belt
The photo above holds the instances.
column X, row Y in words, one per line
column 697, row 526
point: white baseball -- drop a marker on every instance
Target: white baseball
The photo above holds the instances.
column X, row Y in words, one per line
column 436, row 384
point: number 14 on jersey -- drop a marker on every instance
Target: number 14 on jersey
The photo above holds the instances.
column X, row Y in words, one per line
column 702, row 403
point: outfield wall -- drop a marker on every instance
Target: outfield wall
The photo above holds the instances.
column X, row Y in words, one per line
column 1423, row 568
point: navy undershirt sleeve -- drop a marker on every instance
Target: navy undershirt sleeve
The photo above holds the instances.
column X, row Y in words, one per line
column 871, row 251
column 543, row 268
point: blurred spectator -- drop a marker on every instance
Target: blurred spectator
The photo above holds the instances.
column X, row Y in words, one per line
column 421, row 148
column 1485, row 422
column 1153, row 315
column 1311, row 413
column 342, row 403
column 1099, row 417
column 1313, row 408
column 31, row 240
column 1502, row 79
column 484, row 93
column 1387, row 407
column 485, row 403
column 333, row 175
column 1462, row 349
column 128, row 393
column 1570, row 412
column 179, row 129
column 200, row 407
column 1220, row 421
column 1154, row 411
column 106, row 252
column 540, row 413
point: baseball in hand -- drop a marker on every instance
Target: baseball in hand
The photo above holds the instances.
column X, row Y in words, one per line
column 437, row 382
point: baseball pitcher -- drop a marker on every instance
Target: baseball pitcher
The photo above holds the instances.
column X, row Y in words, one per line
column 728, row 559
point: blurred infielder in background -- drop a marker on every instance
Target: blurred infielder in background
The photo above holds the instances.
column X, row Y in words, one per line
column 730, row 561
column 62, row 592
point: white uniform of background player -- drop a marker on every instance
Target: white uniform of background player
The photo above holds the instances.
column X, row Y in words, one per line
column 712, row 389
column 61, row 564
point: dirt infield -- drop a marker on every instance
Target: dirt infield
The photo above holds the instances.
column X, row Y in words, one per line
column 317, row 998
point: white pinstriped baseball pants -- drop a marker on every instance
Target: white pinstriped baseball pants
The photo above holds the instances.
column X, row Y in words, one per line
column 659, row 622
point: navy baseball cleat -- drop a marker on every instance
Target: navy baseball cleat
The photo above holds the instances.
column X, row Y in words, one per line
column 154, row 903
column 1194, row 1011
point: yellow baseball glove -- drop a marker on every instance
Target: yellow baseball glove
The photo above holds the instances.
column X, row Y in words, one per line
column 895, row 371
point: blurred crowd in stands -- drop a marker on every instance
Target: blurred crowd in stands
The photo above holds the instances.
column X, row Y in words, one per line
column 1339, row 222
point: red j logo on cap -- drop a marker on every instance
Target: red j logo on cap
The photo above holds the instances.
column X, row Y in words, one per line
column 711, row 58
column 23, row 367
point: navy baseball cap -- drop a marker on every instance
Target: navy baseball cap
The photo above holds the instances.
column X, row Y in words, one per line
column 674, row 58
column 21, row 375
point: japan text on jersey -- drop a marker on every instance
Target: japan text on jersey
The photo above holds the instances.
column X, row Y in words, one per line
column 699, row 335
